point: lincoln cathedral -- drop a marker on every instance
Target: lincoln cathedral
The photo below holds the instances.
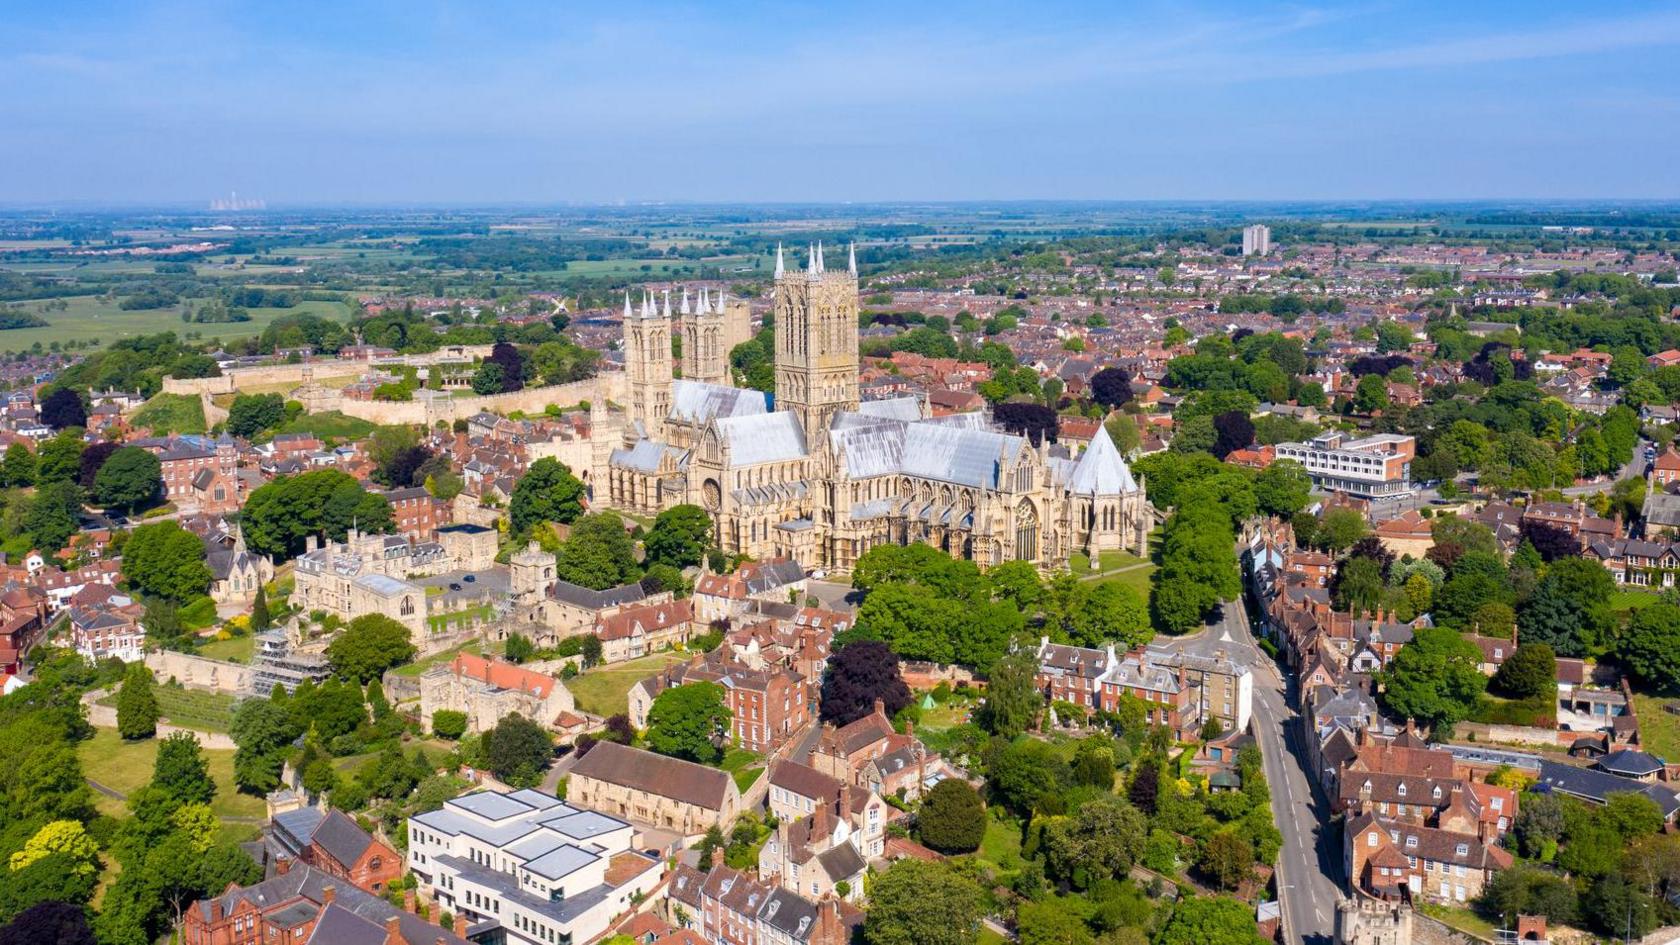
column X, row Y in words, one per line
column 813, row 474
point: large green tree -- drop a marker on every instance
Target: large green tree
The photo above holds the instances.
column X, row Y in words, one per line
column 262, row 734
column 1013, row 699
column 951, row 817
column 548, row 492
column 54, row 514
column 1434, row 678
column 679, row 537
column 280, row 515
column 372, row 644
column 251, row 414
column 1099, row 842
column 181, row 770
column 130, row 479
column 916, row 902
column 1650, row 646
column 688, row 721
column 165, row 560
column 1208, row 920
column 137, row 706
column 599, row 554
column 517, row 750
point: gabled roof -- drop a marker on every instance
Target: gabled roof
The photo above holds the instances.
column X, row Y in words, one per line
column 655, row 774
column 1101, row 470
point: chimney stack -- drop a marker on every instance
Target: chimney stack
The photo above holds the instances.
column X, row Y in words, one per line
column 880, row 707
column 282, row 865
column 717, row 856
column 461, row 925
column 393, row 930
column 409, row 901
column 327, row 893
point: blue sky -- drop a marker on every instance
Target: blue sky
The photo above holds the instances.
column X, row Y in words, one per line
column 542, row 102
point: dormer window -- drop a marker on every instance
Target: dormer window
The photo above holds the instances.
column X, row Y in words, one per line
column 1462, row 849
column 1402, row 789
column 1411, row 842
column 1371, row 839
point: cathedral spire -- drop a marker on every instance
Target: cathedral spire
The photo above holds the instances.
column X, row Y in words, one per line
column 811, row 258
column 779, row 268
column 723, row 293
column 627, row 312
column 684, row 309
column 851, row 258
column 820, row 266
column 667, row 312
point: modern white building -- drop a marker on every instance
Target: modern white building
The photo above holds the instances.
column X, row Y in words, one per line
column 540, row 870
column 1257, row 240
column 1376, row 467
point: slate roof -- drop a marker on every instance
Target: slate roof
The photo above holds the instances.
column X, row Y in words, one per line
column 1630, row 763
column 341, row 838
column 310, row 884
column 655, row 774
column 1596, row 786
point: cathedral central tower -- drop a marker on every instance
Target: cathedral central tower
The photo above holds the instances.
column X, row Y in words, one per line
column 816, row 324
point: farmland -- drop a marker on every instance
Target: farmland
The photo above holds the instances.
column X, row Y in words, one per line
column 99, row 320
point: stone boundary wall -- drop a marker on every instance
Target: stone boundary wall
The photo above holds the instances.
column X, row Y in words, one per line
column 1428, row 931
column 425, row 411
column 1508, row 734
column 198, row 672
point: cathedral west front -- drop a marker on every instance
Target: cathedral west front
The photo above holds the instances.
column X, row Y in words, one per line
column 816, row 475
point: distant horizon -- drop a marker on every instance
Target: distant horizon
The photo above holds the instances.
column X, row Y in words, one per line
column 510, row 102
column 203, row 206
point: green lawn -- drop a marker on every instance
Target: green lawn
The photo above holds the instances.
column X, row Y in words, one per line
column 1632, row 600
column 1001, row 846
column 100, row 320
column 605, row 690
column 1459, row 917
column 331, row 425
column 190, row 708
column 745, row 777
column 171, row 413
column 1659, row 731
column 126, row 766
column 234, row 649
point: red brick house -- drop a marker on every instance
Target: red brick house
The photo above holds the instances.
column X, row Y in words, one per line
column 332, row 843
column 416, row 513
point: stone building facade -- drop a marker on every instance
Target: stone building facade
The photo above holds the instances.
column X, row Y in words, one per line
column 825, row 477
column 652, row 789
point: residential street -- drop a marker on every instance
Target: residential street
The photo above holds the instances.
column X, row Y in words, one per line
column 1309, row 873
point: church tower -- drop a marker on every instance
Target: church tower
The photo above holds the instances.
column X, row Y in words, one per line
column 647, row 363
column 711, row 328
column 816, row 321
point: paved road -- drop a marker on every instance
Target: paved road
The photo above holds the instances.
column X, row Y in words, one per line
column 1309, row 866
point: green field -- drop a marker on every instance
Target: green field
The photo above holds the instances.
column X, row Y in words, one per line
column 100, row 320
column 605, row 690
column 125, row 767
